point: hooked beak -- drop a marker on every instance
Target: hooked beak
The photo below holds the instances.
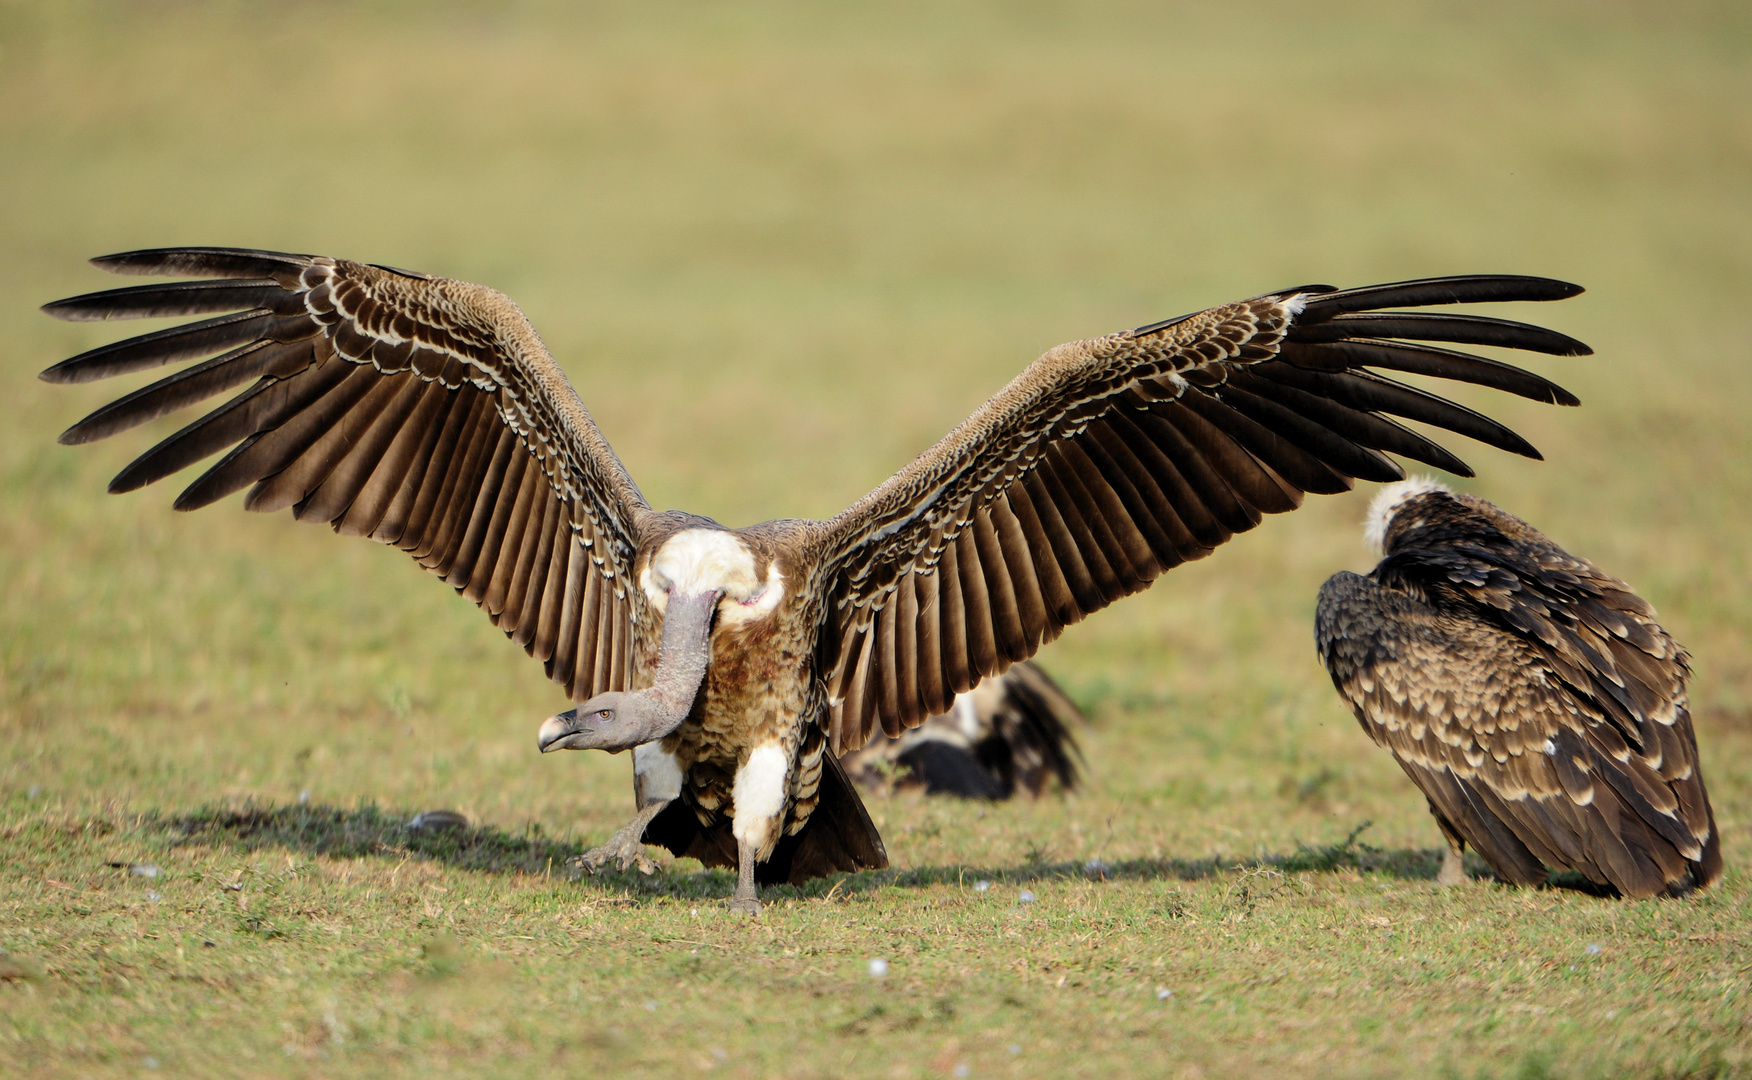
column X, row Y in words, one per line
column 620, row 720
column 556, row 728
column 611, row 721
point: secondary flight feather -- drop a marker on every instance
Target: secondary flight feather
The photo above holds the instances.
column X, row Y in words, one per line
column 426, row 413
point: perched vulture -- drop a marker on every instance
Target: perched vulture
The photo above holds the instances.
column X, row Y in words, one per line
column 427, row 413
column 1010, row 733
column 1532, row 697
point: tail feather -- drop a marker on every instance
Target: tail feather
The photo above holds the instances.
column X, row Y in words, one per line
column 839, row 836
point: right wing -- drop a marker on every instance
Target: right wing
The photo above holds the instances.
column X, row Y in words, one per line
column 1109, row 461
column 418, row 411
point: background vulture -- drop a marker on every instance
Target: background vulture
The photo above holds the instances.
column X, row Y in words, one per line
column 427, row 413
column 1532, row 697
column 1010, row 733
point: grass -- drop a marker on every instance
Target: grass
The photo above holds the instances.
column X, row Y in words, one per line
column 780, row 249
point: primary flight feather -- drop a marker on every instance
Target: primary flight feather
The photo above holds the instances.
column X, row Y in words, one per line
column 426, row 413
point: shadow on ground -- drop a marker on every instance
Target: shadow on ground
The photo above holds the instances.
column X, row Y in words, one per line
column 367, row 831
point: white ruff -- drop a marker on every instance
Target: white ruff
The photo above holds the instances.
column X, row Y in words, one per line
column 759, row 795
column 656, row 776
column 1387, row 501
column 695, row 561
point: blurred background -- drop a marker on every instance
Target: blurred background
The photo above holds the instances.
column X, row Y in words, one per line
column 781, row 248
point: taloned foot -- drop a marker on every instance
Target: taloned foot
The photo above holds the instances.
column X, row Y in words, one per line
column 626, row 848
column 744, row 905
column 623, row 854
column 1453, row 868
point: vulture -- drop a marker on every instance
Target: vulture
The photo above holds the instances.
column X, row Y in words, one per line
column 426, row 413
column 1531, row 696
column 1010, row 733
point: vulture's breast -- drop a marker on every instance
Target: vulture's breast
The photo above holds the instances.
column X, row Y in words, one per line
column 756, row 685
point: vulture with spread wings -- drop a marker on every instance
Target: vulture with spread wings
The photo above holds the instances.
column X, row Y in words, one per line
column 426, row 413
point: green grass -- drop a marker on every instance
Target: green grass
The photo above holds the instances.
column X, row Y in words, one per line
column 780, row 249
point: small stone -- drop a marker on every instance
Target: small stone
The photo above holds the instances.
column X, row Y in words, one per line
column 437, row 821
column 1097, row 869
column 152, row 896
column 1025, row 897
column 879, row 968
column 1593, row 949
column 145, row 870
column 1163, row 993
column 981, row 885
column 304, row 797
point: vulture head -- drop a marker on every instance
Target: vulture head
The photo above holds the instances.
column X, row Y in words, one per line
column 1384, row 509
column 622, row 719
column 615, row 721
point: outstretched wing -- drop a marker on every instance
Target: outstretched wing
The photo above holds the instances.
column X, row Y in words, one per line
column 1109, row 461
column 418, row 411
column 1521, row 752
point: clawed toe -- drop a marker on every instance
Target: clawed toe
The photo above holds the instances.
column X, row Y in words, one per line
column 744, row 905
column 624, row 856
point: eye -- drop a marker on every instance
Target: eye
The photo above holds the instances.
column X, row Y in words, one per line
column 606, row 714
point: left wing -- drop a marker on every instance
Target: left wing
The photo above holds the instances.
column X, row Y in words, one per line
column 419, row 411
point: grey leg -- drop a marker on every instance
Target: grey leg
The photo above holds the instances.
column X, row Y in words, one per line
column 627, row 847
column 745, row 901
column 1453, row 866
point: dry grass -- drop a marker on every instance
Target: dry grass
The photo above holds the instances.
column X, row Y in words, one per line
column 780, row 249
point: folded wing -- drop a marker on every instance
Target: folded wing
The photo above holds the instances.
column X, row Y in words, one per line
column 1530, row 755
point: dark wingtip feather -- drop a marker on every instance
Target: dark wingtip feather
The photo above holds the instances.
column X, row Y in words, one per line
column 1424, row 292
column 174, row 298
column 129, row 479
column 203, row 262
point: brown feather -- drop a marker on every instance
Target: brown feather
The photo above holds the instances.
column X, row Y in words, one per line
column 1497, row 666
column 334, row 499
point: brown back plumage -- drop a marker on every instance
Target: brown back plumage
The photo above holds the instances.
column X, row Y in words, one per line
column 1532, row 697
